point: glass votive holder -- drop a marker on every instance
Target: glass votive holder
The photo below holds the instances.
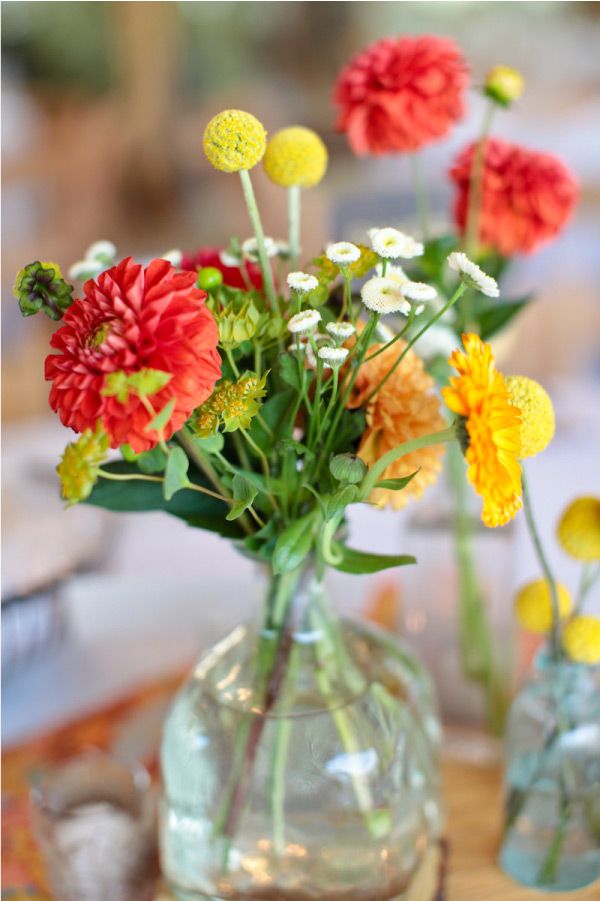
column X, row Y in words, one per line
column 94, row 818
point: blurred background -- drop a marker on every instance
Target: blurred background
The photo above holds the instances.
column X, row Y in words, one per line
column 104, row 105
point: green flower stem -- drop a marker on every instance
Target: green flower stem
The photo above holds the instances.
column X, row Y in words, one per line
column 294, row 224
column 457, row 294
column 260, row 239
column 476, row 181
column 117, row 477
column 330, row 406
column 392, row 341
column 543, row 561
column 376, row 471
column 421, row 198
column 232, row 363
column 259, row 452
column 347, row 299
column 547, row 873
column 278, row 767
column 589, row 575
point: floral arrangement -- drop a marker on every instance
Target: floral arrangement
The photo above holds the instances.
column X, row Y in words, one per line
column 396, row 98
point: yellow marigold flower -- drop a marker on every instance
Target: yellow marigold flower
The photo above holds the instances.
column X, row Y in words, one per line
column 533, row 605
column 296, row 156
column 537, row 426
column 404, row 408
column 504, row 85
column 581, row 639
column 80, row 464
column 579, row 529
column 492, row 437
column 234, row 140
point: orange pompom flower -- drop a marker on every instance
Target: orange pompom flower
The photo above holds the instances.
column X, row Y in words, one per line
column 401, row 94
column 404, row 408
column 526, row 196
column 133, row 320
column 492, row 429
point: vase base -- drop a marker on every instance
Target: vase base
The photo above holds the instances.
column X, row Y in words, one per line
column 426, row 885
column 571, row 874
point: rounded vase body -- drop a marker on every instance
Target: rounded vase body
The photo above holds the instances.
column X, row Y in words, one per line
column 301, row 764
column 552, row 781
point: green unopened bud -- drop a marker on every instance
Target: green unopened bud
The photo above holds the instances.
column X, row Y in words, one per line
column 210, row 277
column 237, row 326
column 40, row 286
column 348, row 468
column 504, row 85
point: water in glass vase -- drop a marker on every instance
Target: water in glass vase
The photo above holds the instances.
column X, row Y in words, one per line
column 300, row 761
column 552, row 832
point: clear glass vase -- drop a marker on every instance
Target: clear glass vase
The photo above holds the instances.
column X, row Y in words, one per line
column 300, row 760
column 552, row 781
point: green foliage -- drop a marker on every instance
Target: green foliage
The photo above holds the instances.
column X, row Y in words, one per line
column 396, row 484
column 244, row 493
column 293, row 544
column 360, row 563
column 152, row 461
column 41, row 287
column 143, row 383
column 496, row 316
column 347, row 468
column 159, row 421
column 175, row 472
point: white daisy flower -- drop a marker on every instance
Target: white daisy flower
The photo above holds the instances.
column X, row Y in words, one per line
column 250, row 248
column 283, row 249
column 343, row 253
column 173, row 256
column 396, row 273
column 333, row 356
column 101, row 250
column 229, row 260
column 302, row 282
column 341, row 331
column 382, row 295
column 392, row 244
column 304, row 322
column 418, row 291
column 472, row 275
column 83, row 270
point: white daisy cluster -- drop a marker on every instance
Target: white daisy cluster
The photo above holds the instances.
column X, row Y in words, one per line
column 304, row 323
column 340, row 331
column 302, row 282
column 391, row 244
column 472, row 275
column 419, row 291
column 383, row 295
column 343, row 253
column 333, row 357
column 250, row 249
column 98, row 257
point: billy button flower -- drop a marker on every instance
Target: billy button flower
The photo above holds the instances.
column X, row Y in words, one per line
column 579, row 529
column 581, row 639
column 40, row 286
column 79, row 467
column 537, row 425
column 533, row 605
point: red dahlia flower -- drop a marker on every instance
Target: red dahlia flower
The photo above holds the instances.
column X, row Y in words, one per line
column 232, row 276
column 131, row 319
column 400, row 94
column 526, row 196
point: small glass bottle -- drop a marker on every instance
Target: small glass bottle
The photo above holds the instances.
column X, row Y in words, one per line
column 552, row 779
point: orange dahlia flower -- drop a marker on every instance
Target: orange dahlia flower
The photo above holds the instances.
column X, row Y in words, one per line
column 480, row 396
column 405, row 407
column 131, row 319
column 401, row 94
column 526, row 196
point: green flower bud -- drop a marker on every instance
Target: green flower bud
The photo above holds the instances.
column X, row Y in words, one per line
column 40, row 286
column 237, row 326
column 209, row 278
column 504, row 85
column 348, row 468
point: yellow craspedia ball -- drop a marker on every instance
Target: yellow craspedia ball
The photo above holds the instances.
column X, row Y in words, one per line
column 581, row 639
column 579, row 529
column 234, row 140
column 537, row 427
column 533, row 605
column 296, row 156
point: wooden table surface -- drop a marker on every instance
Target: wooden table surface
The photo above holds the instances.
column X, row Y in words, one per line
column 474, row 811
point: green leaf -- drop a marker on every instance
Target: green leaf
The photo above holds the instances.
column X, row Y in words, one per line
column 175, row 473
column 197, row 510
column 359, row 562
column 276, row 412
column 211, row 445
column 147, row 382
column 396, row 484
column 350, row 429
column 498, row 316
column 243, row 495
column 290, row 371
column 161, row 418
column 338, row 502
column 153, row 460
column 293, row 544
column 128, row 453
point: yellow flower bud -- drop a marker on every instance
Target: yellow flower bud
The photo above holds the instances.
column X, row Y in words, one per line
column 504, row 85
column 296, row 156
column 537, row 426
column 533, row 605
column 234, row 140
column 579, row 529
column 79, row 467
column 581, row 639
